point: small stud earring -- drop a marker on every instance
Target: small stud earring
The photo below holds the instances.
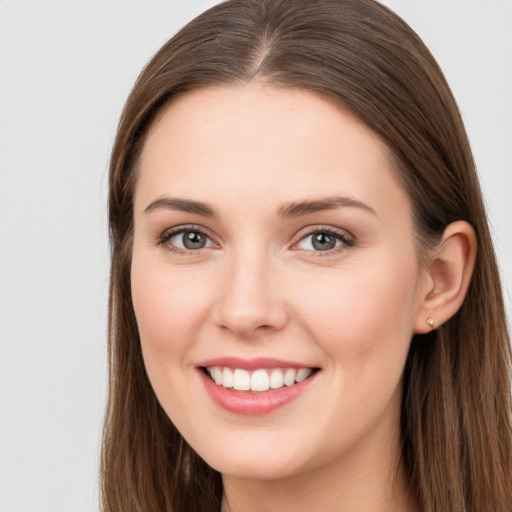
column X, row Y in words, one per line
column 431, row 322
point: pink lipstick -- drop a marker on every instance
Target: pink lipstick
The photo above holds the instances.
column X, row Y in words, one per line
column 255, row 386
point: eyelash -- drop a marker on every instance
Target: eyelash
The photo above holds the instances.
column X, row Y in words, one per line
column 164, row 239
column 346, row 239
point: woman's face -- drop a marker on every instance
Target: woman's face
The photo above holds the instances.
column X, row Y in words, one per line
column 273, row 243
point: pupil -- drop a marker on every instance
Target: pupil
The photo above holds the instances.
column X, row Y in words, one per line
column 323, row 242
column 194, row 240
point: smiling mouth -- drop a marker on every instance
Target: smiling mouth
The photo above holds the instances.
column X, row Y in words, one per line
column 259, row 380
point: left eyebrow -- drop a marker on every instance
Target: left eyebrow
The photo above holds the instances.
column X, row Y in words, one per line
column 306, row 207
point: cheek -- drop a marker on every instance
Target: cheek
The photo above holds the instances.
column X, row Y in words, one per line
column 363, row 313
column 170, row 307
column 168, row 304
column 362, row 321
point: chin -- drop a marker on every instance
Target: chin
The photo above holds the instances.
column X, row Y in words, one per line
column 260, row 468
column 256, row 459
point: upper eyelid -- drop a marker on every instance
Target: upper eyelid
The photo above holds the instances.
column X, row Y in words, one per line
column 187, row 227
column 316, row 228
column 306, row 230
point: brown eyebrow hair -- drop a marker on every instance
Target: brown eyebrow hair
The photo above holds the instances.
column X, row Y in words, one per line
column 296, row 209
column 184, row 205
column 292, row 209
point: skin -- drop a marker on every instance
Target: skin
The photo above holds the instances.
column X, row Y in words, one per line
column 260, row 289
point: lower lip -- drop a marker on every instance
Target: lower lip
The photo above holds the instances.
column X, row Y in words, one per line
column 243, row 402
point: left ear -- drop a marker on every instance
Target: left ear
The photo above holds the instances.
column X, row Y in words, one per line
column 449, row 267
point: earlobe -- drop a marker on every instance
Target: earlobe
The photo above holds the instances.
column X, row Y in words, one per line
column 449, row 267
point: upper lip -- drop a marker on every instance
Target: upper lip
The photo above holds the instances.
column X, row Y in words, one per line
column 252, row 364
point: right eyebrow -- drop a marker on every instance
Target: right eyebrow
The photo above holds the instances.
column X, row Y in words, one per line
column 183, row 205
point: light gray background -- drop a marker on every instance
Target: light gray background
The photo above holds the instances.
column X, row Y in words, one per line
column 66, row 68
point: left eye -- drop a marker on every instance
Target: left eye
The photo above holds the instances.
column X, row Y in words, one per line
column 322, row 241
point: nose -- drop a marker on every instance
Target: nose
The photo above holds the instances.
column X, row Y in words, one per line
column 251, row 302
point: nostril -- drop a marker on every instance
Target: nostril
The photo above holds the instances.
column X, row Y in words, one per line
column 248, row 303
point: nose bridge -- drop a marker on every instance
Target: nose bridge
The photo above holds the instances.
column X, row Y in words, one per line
column 249, row 302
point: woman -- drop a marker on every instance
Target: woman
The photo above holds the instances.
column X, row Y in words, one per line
column 305, row 310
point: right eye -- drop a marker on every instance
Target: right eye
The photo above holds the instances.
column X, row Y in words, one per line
column 186, row 239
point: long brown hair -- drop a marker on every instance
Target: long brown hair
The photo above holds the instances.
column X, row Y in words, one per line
column 456, row 410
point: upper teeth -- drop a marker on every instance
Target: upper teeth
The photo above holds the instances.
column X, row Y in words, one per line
column 258, row 380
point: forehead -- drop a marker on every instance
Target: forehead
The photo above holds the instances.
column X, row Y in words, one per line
column 262, row 142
